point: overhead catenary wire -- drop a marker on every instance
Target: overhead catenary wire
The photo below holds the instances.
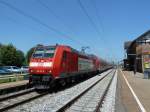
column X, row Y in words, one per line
column 56, row 15
column 98, row 15
column 21, row 23
column 23, row 13
column 93, row 24
column 101, row 23
column 90, row 20
column 27, row 26
column 59, row 18
column 88, row 16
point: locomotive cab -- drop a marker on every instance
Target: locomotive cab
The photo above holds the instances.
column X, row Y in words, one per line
column 41, row 64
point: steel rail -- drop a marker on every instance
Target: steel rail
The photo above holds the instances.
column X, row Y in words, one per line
column 104, row 94
column 16, row 94
column 7, row 107
column 67, row 105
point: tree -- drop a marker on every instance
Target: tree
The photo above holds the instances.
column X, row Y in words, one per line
column 8, row 54
column 11, row 56
column 29, row 54
column 20, row 57
column 0, row 54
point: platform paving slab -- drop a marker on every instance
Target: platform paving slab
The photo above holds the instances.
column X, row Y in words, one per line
column 125, row 101
column 140, row 86
column 13, row 84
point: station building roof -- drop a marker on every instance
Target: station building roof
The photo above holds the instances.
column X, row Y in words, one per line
column 142, row 39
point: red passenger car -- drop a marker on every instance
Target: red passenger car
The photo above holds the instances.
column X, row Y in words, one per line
column 60, row 62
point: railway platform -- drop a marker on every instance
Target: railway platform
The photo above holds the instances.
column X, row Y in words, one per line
column 134, row 96
column 13, row 86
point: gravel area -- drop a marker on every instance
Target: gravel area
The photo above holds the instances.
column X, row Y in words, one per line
column 109, row 100
column 89, row 101
column 16, row 93
column 51, row 102
column 18, row 99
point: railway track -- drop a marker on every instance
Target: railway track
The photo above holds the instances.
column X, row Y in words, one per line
column 18, row 98
column 91, row 99
column 55, row 101
column 15, row 94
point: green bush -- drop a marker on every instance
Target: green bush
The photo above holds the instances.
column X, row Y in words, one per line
column 9, row 55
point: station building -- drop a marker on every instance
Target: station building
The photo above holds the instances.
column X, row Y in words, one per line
column 137, row 53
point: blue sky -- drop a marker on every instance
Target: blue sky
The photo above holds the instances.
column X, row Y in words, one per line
column 110, row 23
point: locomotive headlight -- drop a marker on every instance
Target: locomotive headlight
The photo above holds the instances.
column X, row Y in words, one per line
column 33, row 64
column 47, row 64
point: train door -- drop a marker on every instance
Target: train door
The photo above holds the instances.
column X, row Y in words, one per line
column 66, row 62
column 72, row 62
column 69, row 60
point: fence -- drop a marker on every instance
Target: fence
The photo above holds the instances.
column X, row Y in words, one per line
column 13, row 77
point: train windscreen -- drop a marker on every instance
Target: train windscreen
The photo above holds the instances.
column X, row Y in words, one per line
column 49, row 52
column 44, row 52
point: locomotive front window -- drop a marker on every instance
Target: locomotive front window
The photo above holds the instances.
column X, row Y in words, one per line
column 47, row 52
column 38, row 53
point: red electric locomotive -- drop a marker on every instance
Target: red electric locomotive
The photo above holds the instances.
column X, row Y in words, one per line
column 59, row 62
